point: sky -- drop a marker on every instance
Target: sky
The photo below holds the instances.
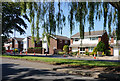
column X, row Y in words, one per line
column 98, row 25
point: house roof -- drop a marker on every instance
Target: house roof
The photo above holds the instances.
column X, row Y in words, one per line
column 83, row 45
column 88, row 34
column 60, row 37
column 19, row 39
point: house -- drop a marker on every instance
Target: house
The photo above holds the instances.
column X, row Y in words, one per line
column 56, row 43
column 14, row 43
column 114, row 45
column 89, row 42
column 27, row 43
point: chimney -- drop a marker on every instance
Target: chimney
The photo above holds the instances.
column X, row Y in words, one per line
column 71, row 41
column 112, row 40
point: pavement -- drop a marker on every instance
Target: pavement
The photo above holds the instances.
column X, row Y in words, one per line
column 16, row 69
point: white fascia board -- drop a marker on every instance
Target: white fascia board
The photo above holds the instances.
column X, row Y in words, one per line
column 53, row 37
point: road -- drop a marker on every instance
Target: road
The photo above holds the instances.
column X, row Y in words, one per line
column 15, row 70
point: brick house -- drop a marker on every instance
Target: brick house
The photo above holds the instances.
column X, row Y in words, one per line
column 14, row 43
column 114, row 44
column 27, row 43
column 89, row 41
column 56, row 43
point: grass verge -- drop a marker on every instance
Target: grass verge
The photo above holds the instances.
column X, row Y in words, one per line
column 65, row 61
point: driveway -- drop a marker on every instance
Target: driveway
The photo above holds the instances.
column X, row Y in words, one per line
column 15, row 70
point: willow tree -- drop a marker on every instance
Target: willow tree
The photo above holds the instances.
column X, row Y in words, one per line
column 82, row 11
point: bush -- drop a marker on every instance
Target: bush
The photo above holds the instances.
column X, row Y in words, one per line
column 3, row 50
column 107, row 52
column 101, row 47
column 31, row 48
column 74, row 53
column 94, row 51
column 103, row 53
column 87, row 53
column 61, row 53
column 119, row 52
column 36, row 50
column 15, row 50
column 66, row 48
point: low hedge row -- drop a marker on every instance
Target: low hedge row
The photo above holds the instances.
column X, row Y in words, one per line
column 36, row 50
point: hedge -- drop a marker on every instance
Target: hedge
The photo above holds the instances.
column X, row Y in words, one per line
column 36, row 50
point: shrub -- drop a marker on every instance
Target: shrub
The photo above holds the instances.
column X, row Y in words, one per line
column 3, row 50
column 103, row 53
column 107, row 52
column 94, row 51
column 66, row 48
column 30, row 48
column 74, row 53
column 61, row 53
column 36, row 50
column 101, row 46
column 15, row 50
column 119, row 52
column 87, row 53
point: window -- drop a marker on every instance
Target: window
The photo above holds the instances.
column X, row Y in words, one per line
column 60, row 41
column 93, row 38
column 66, row 42
column 15, row 42
column 24, row 42
column 21, row 42
column 82, row 49
column 76, row 39
column 90, row 49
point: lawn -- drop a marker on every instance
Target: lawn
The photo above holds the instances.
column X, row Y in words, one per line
column 65, row 61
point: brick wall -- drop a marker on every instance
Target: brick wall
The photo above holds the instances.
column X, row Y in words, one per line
column 30, row 43
column 71, row 41
column 99, row 38
column 112, row 40
column 53, row 44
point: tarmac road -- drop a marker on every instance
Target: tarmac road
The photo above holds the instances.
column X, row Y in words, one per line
column 17, row 70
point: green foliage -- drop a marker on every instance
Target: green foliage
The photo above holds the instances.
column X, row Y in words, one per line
column 107, row 52
column 66, row 48
column 15, row 50
column 73, row 53
column 87, row 53
column 12, row 18
column 3, row 49
column 61, row 53
column 66, row 61
column 79, row 11
column 119, row 52
column 103, row 53
column 101, row 47
column 31, row 48
column 38, row 48
column 94, row 51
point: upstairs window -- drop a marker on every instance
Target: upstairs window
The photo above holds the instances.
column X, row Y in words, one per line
column 15, row 42
column 66, row 42
column 82, row 49
column 24, row 42
column 93, row 38
column 60, row 41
